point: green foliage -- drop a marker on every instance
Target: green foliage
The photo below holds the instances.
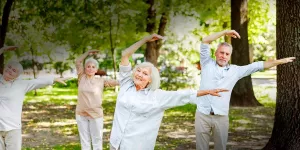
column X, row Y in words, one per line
column 173, row 78
column 61, row 67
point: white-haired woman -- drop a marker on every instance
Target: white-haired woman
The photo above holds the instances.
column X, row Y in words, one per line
column 89, row 112
column 141, row 105
column 12, row 94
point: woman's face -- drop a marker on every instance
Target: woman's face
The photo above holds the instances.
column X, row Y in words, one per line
column 10, row 72
column 90, row 69
column 142, row 77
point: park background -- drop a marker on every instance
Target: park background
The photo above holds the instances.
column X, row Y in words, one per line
column 52, row 34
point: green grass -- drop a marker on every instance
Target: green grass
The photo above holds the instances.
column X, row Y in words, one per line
column 49, row 122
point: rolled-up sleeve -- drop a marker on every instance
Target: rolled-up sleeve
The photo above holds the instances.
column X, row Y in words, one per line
column 38, row 83
column 169, row 99
column 251, row 68
column 204, row 54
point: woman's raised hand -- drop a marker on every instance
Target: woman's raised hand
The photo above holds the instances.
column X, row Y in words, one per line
column 153, row 37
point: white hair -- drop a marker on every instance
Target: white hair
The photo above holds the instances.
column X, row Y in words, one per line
column 225, row 44
column 92, row 60
column 17, row 65
column 155, row 77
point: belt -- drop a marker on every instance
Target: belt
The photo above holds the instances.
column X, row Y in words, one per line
column 212, row 113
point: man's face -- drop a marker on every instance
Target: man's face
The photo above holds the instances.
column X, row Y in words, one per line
column 223, row 55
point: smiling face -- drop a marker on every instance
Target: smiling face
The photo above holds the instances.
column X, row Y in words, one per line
column 11, row 72
column 142, row 77
column 90, row 68
column 223, row 55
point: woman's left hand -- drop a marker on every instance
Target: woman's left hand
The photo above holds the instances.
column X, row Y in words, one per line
column 215, row 92
column 153, row 37
column 62, row 80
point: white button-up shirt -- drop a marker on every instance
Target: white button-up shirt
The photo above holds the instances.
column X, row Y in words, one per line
column 138, row 114
column 12, row 95
column 213, row 76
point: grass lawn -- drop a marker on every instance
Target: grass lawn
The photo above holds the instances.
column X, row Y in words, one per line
column 49, row 122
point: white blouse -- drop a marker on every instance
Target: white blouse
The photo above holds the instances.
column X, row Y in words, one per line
column 12, row 95
column 138, row 114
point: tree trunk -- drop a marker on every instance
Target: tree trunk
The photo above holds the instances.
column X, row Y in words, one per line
column 286, row 130
column 242, row 94
column 152, row 50
column 33, row 67
column 3, row 29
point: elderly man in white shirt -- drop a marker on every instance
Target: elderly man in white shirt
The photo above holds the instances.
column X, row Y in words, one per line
column 141, row 105
column 12, row 94
column 212, row 112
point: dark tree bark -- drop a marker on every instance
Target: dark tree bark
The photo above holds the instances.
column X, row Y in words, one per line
column 242, row 94
column 152, row 50
column 3, row 29
column 286, row 130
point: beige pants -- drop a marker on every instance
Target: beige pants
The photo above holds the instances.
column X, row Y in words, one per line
column 205, row 125
column 11, row 140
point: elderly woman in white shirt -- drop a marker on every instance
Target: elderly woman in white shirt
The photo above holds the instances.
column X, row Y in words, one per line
column 12, row 94
column 141, row 105
column 89, row 111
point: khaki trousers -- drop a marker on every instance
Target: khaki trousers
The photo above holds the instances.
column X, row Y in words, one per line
column 207, row 125
column 11, row 140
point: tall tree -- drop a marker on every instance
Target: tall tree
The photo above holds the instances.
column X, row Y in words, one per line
column 152, row 50
column 242, row 94
column 3, row 28
column 286, row 132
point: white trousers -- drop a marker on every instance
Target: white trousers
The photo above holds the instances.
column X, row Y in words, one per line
column 90, row 132
column 11, row 140
column 205, row 125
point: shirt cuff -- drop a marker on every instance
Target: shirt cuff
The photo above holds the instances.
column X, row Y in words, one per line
column 261, row 65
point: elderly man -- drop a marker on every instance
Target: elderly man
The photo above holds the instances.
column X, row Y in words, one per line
column 12, row 94
column 212, row 112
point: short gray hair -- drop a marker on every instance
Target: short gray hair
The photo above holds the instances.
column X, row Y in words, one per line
column 92, row 60
column 155, row 77
column 225, row 44
column 16, row 64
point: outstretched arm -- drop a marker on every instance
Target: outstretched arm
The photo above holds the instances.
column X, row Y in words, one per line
column 214, row 92
column 212, row 37
column 7, row 48
column 130, row 50
column 271, row 63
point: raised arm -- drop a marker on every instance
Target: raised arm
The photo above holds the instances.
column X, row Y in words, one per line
column 272, row 63
column 80, row 59
column 7, row 48
column 212, row 37
column 130, row 50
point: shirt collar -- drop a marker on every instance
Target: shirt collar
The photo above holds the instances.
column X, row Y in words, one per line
column 227, row 67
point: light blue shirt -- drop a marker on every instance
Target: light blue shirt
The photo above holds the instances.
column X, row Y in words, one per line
column 213, row 76
column 138, row 114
